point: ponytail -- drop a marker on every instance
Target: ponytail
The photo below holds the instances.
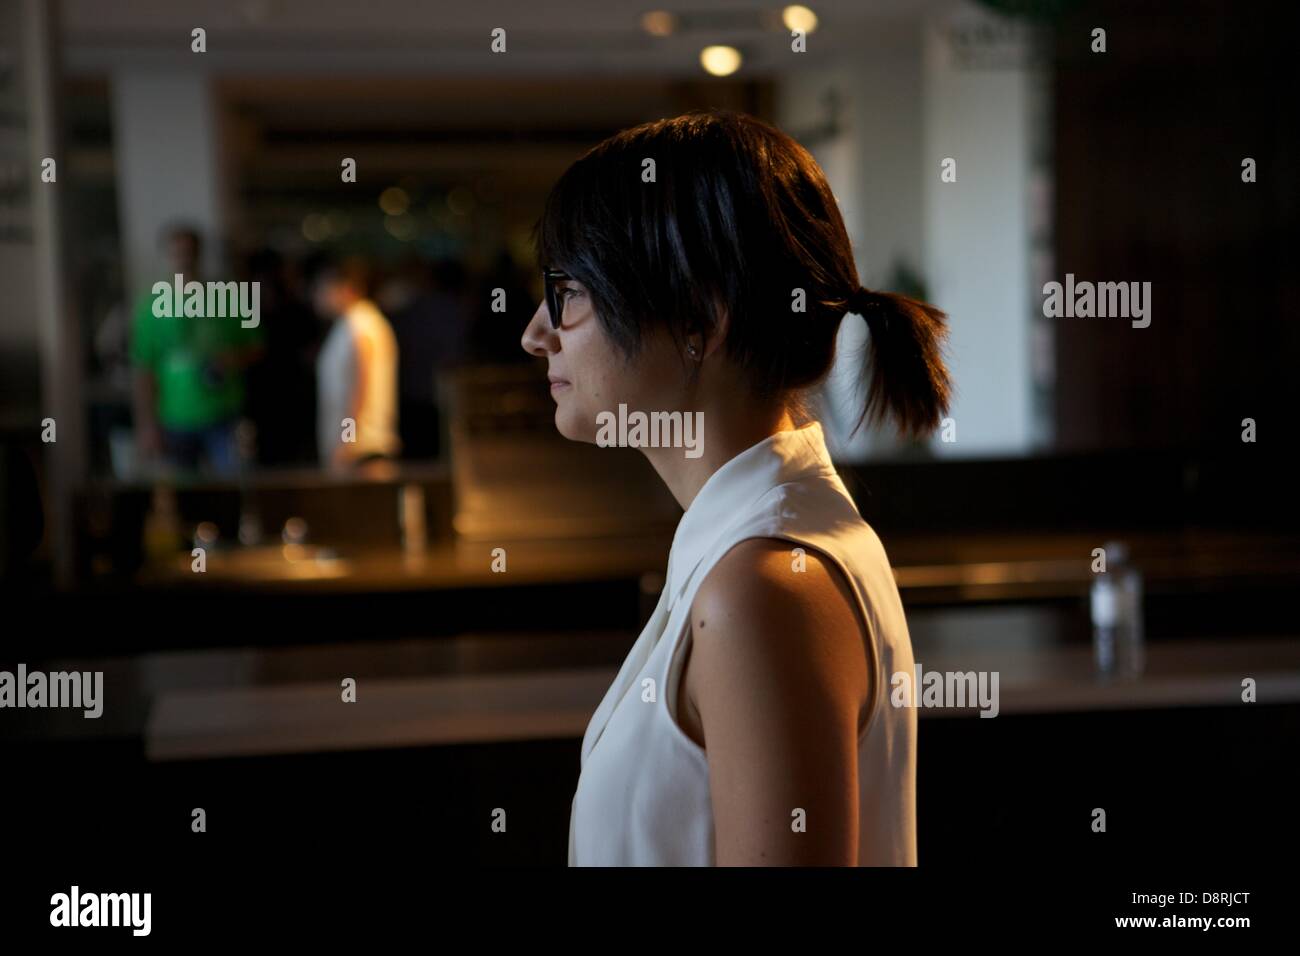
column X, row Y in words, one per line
column 909, row 381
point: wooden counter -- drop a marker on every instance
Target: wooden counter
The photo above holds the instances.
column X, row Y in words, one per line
column 429, row 711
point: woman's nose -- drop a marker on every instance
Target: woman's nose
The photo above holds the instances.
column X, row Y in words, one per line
column 535, row 338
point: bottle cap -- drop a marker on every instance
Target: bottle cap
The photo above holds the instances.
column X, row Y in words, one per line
column 1116, row 552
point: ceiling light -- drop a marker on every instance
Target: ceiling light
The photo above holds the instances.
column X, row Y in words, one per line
column 796, row 17
column 720, row 60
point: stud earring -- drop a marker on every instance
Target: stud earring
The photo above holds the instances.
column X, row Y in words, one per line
column 691, row 348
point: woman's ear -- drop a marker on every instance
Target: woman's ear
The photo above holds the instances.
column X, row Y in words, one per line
column 721, row 326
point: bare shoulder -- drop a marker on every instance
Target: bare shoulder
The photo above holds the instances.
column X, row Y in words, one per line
column 780, row 683
column 772, row 622
column 762, row 579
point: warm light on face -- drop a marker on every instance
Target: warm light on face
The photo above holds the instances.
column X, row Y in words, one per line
column 720, row 60
column 659, row 23
column 796, row 17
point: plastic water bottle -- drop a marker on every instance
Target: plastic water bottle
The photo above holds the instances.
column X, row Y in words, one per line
column 1118, row 638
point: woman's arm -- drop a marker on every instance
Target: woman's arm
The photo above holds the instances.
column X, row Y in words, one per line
column 779, row 676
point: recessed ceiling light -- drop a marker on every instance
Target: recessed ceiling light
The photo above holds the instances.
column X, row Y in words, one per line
column 720, row 60
column 796, row 17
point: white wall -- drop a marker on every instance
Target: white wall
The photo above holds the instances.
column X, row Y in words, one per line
column 168, row 167
column 872, row 167
column 976, row 234
column 907, row 104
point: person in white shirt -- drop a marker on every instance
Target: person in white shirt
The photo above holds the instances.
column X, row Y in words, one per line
column 356, row 370
column 754, row 722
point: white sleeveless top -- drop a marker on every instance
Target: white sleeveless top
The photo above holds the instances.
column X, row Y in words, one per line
column 337, row 374
column 643, row 793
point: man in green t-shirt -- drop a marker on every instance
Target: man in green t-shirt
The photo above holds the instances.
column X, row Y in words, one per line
column 189, row 375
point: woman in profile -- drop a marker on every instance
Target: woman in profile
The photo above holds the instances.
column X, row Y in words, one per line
column 751, row 723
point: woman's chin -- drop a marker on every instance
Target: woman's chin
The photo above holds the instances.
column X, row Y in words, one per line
column 571, row 426
column 565, row 424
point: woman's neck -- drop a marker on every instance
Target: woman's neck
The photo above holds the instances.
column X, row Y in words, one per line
column 725, row 432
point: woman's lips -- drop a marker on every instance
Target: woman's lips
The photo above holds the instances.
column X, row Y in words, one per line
column 558, row 385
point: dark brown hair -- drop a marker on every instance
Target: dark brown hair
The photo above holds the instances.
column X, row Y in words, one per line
column 738, row 216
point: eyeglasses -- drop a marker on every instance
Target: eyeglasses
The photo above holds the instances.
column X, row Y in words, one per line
column 554, row 304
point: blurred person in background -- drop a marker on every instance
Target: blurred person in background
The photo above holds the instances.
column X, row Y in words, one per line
column 397, row 286
column 189, row 372
column 432, row 334
column 356, row 370
column 282, row 386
